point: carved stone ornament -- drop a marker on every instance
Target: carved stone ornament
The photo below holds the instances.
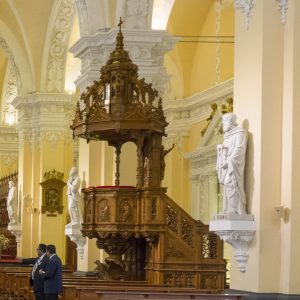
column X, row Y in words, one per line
column 59, row 47
column 238, row 231
column 8, row 52
column 9, row 114
column 246, row 7
column 282, row 7
column 52, row 192
column 75, row 235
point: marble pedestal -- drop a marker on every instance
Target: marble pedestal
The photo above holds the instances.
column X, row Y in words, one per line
column 16, row 230
column 75, row 235
column 236, row 230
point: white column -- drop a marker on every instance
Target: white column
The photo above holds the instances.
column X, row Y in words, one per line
column 195, row 209
column 45, row 143
column 258, row 104
column 290, row 188
column 204, row 194
column 213, row 196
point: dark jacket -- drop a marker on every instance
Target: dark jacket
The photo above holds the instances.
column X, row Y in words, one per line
column 38, row 282
column 53, row 276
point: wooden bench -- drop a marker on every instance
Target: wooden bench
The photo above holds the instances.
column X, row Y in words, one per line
column 70, row 287
column 93, row 292
column 132, row 295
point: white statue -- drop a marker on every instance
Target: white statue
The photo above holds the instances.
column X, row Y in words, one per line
column 12, row 203
column 74, row 197
column 231, row 165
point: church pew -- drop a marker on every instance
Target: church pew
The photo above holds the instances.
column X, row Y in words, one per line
column 22, row 286
column 132, row 295
column 11, row 283
column 91, row 292
column 14, row 282
column 70, row 287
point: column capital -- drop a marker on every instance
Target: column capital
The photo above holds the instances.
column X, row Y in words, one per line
column 8, row 141
column 44, row 115
column 146, row 48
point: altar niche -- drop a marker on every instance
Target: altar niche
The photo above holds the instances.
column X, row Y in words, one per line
column 146, row 235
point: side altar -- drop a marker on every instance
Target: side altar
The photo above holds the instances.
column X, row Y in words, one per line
column 145, row 233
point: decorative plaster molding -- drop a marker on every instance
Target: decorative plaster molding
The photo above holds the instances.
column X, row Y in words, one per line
column 10, row 86
column 174, row 139
column 8, row 143
column 282, row 7
column 58, row 47
column 8, row 52
column 246, row 7
column 9, row 159
column 44, row 116
column 238, row 231
column 181, row 114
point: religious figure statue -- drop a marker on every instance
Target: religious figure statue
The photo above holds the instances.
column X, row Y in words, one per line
column 214, row 108
column 12, row 203
column 73, row 194
column 231, row 164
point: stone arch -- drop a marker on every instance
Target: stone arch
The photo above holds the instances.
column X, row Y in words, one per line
column 93, row 15
column 17, row 59
column 56, row 46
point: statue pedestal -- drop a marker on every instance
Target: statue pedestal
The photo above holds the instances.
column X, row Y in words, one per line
column 75, row 235
column 16, row 230
column 236, row 230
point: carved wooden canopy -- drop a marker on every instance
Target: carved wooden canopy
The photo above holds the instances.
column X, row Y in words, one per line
column 122, row 108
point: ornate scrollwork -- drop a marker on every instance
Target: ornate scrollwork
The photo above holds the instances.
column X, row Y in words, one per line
column 187, row 233
column 119, row 94
column 114, row 243
column 209, row 245
column 53, row 174
column 172, row 251
column 180, row 279
column 172, row 219
column 154, row 209
column 209, row 282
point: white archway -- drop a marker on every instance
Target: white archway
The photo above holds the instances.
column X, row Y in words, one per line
column 17, row 58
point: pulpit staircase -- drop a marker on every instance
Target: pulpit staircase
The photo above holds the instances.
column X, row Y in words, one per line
column 153, row 238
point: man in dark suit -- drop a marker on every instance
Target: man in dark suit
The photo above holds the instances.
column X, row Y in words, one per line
column 52, row 274
column 36, row 280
